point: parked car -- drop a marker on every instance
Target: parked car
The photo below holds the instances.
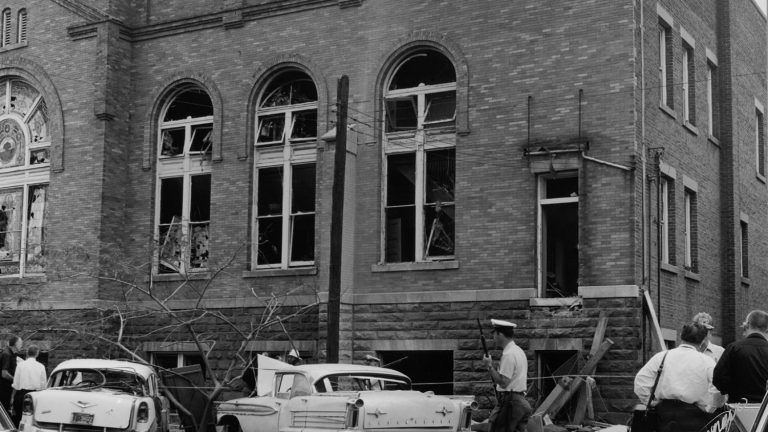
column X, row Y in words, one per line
column 91, row 394
column 344, row 397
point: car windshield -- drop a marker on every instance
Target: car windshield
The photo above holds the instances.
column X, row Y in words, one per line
column 122, row 380
column 360, row 382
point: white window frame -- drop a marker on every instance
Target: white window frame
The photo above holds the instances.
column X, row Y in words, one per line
column 664, row 222
column 542, row 203
column 663, row 63
column 688, row 198
column 186, row 165
column 418, row 141
column 24, row 176
column 286, row 153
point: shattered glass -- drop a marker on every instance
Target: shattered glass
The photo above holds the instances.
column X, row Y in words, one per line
column 269, row 212
column 290, row 88
column 199, row 216
column 39, row 156
column 172, row 142
column 439, row 211
column 441, row 176
column 439, row 230
column 201, row 139
column 170, row 229
column 10, row 227
column 23, row 97
column 426, row 67
column 35, row 229
column 191, row 103
column 440, row 109
column 401, row 209
column 304, row 124
column 38, row 124
column 271, row 129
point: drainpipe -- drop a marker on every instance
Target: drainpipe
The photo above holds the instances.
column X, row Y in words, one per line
column 658, row 236
column 645, row 220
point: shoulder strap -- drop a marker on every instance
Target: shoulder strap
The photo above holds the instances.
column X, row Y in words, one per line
column 656, row 382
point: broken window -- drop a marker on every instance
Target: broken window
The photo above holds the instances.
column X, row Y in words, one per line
column 559, row 231
column 184, row 182
column 419, row 210
column 24, row 155
column 428, row 370
column 286, row 119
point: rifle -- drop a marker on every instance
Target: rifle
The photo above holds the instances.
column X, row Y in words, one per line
column 485, row 349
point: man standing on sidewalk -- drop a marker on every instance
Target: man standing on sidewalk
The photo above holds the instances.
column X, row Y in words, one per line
column 742, row 370
column 512, row 409
column 30, row 376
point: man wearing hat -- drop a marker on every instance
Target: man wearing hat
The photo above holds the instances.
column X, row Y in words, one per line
column 705, row 320
column 293, row 358
column 512, row 410
column 372, row 361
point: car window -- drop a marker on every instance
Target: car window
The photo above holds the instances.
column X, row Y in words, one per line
column 358, row 382
column 284, row 383
column 117, row 380
column 300, row 386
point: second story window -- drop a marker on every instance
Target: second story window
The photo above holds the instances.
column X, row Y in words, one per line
column 284, row 177
column 689, row 85
column 419, row 145
column 183, row 193
column 665, row 65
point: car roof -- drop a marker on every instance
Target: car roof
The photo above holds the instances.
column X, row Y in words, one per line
column 322, row 369
column 140, row 369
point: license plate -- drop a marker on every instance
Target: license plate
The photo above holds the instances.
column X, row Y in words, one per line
column 82, row 418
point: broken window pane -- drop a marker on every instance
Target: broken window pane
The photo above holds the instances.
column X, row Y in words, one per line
column 401, row 114
column 439, row 230
column 304, row 124
column 201, row 139
column 171, row 193
column 192, row 102
column 400, row 235
column 270, row 191
column 172, row 142
column 441, row 175
column 270, row 218
column 12, row 143
column 35, row 223
column 289, row 88
column 440, row 109
column 562, row 187
column 561, row 239
column 23, row 96
column 401, row 177
column 170, row 230
column 302, row 213
column 427, row 67
column 271, row 129
column 38, row 124
column 39, row 156
column 10, row 228
column 270, row 234
column 199, row 220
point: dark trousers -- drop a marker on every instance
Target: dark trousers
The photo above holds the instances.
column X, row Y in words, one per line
column 5, row 396
column 18, row 404
column 510, row 414
column 678, row 416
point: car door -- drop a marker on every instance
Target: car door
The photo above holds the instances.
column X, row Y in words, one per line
column 294, row 390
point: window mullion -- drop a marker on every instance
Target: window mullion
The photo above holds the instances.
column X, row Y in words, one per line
column 24, row 222
column 285, row 237
column 420, row 194
column 185, row 207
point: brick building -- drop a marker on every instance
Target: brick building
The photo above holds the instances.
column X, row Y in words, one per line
column 537, row 161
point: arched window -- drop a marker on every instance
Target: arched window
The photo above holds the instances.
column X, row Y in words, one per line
column 6, row 30
column 21, row 23
column 285, row 154
column 184, row 181
column 420, row 158
column 24, row 176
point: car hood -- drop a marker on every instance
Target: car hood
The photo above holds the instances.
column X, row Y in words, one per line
column 409, row 409
column 109, row 409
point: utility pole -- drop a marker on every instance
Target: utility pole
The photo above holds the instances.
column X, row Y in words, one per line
column 337, row 221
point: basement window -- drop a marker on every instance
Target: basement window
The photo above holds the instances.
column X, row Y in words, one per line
column 552, row 366
column 285, row 173
column 184, row 183
column 420, row 162
column 559, row 235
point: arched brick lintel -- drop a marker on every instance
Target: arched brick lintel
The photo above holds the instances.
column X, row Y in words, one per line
column 36, row 75
column 261, row 76
column 163, row 90
column 441, row 43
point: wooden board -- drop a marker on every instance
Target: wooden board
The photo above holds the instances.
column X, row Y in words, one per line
column 655, row 326
column 602, row 324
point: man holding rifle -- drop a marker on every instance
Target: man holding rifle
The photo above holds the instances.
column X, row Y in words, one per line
column 512, row 410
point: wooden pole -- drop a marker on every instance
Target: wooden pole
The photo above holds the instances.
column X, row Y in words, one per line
column 337, row 221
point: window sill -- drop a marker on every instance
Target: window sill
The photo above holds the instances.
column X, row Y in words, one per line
column 694, row 276
column 714, row 140
column 760, row 177
column 414, row 266
column 278, row 272
column 691, row 128
column 668, row 111
column 555, row 302
column 745, row 281
column 19, row 280
column 670, row 268
column 175, row 277
column 13, row 46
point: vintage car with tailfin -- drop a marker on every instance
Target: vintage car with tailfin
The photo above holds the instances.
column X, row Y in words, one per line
column 323, row 397
column 92, row 394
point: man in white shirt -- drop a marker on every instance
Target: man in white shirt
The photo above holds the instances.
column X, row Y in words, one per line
column 713, row 351
column 512, row 409
column 29, row 376
column 684, row 396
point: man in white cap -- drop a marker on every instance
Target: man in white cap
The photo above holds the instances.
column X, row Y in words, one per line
column 705, row 320
column 512, row 410
column 293, row 358
column 372, row 361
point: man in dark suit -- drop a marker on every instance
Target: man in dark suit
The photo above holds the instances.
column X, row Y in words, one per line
column 742, row 370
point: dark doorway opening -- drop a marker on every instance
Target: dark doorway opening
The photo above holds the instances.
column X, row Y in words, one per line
column 428, row 370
